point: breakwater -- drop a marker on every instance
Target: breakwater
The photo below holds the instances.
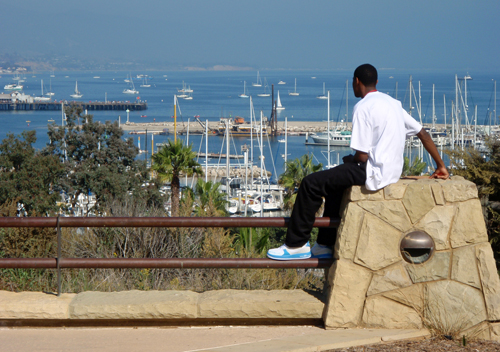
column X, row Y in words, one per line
column 56, row 105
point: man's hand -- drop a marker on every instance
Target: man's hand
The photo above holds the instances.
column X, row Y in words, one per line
column 441, row 173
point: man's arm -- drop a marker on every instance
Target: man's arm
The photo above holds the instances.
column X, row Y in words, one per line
column 428, row 143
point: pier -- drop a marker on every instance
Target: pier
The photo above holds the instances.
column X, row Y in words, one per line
column 56, row 105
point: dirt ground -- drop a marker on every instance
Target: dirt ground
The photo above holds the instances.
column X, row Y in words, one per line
column 427, row 345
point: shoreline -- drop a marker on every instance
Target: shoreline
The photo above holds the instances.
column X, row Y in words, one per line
column 294, row 127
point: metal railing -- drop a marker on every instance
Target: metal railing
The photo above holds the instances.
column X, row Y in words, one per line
column 59, row 262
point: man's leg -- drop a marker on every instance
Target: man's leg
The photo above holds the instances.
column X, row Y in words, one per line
column 329, row 184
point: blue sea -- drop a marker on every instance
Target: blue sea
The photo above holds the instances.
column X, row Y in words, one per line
column 215, row 95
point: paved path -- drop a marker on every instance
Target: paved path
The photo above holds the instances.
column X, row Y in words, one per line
column 216, row 339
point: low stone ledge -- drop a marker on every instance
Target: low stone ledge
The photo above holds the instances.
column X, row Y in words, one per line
column 259, row 304
column 34, row 305
column 134, row 305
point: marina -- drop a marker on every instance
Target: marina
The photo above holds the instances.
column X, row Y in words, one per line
column 56, row 106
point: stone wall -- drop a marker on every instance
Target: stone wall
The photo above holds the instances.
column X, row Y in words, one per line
column 456, row 291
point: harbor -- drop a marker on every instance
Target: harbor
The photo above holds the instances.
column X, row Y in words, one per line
column 56, row 105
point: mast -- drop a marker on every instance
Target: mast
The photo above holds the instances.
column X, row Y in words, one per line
column 433, row 110
column 175, row 118
column 328, row 130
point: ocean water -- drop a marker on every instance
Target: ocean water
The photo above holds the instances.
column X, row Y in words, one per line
column 216, row 95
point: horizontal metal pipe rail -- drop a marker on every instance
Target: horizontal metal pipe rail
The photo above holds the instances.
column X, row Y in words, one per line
column 166, row 263
column 161, row 263
column 155, row 222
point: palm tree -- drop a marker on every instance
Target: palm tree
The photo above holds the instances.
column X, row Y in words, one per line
column 208, row 195
column 170, row 161
column 296, row 170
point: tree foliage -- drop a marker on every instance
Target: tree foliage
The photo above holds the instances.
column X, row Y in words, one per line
column 96, row 158
column 291, row 179
column 484, row 170
column 27, row 175
column 172, row 160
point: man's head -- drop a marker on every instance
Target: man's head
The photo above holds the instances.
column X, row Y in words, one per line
column 365, row 79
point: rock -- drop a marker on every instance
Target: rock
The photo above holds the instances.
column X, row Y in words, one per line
column 459, row 190
column 378, row 245
column 380, row 312
column 418, row 200
column 34, row 305
column 436, row 268
column 259, row 304
column 134, row 305
column 396, row 190
column 348, row 232
column 391, row 211
column 453, row 306
column 411, row 296
column 437, row 223
column 356, row 193
column 464, row 266
column 437, row 192
column 388, row 279
column 489, row 280
column 468, row 226
column 345, row 302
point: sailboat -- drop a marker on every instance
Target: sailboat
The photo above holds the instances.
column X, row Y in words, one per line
column 77, row 94
column 265, row 94
column 323, row 96
column 259, row 81
column 295, row 91
column 50, row 93
column 145, row 82
column 41, row 98
column 131, row 90
column 244, row 95
column 278, row 103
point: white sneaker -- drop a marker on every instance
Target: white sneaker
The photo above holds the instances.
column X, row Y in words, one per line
column 287, row 253
column 321, row 251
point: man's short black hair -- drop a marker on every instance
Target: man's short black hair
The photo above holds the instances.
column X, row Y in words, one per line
column 367, row 74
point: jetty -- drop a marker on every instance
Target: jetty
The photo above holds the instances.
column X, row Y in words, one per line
column 56, row 105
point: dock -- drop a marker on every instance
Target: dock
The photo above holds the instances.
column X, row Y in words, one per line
column 56, row 105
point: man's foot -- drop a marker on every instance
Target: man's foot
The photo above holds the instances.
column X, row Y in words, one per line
column 321, row 251
column 287, row 253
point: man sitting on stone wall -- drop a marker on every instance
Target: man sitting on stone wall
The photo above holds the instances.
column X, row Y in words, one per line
column 380, row 127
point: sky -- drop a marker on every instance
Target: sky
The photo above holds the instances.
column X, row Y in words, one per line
column 261, row 34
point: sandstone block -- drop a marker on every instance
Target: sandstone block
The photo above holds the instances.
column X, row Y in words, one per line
column 436, row 268
column 396, row 190
column 391, row 211
column 378, row 245
column 134, row 305
column 468, row 225
column 34, row 305
column 489, row 279
column 459, row 190
column 380, row 312
column 480, row 331
column 437, row 192
column 453, row 306
column 495, row 331
column 356, row 193
column 418, row 200
column 437, row 224
column 348, row 232
column 259, row 304
column 464, row 266
column 349, row 284
column 388, row 279
column 411, row 296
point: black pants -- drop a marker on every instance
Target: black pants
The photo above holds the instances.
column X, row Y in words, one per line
column 329, row 184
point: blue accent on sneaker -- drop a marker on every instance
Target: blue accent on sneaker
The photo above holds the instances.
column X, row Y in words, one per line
column 285, row 253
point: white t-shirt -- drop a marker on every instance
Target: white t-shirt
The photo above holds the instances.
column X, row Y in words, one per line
column 380, row 127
